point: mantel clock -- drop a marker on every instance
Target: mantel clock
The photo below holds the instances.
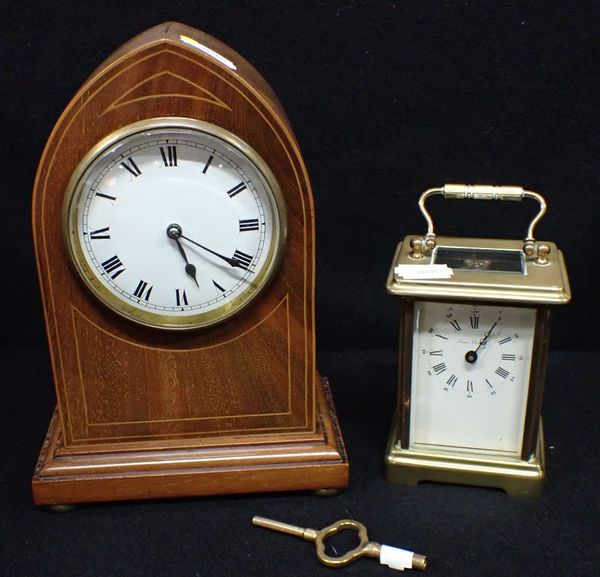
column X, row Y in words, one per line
column 475, row 327
column 174, row 237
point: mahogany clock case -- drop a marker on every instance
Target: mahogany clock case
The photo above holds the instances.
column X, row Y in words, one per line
column 232, row 407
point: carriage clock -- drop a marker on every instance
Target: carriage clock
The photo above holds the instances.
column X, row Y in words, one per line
column 474, row 332
column 174, row 237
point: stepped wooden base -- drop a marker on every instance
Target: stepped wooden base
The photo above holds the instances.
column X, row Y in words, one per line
column 289, row 462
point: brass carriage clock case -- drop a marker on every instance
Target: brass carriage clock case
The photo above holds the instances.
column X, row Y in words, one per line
column 474, row 335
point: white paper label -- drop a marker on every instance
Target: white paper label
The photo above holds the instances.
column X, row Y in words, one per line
column 396, row 558
column 422, row 271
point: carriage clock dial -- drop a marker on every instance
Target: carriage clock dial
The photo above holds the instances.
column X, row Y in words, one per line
column 174, row 223
column 470, row 383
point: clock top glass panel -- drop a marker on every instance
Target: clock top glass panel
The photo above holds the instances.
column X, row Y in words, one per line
column 480, row 259
column 470, row 380
column 175, row 224
column 485, row 269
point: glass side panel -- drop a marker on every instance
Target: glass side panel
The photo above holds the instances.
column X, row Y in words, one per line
column 480, row 259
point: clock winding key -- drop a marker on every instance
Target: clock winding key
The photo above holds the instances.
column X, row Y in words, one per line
column 393, row 557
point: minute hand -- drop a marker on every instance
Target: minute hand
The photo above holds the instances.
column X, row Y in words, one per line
column 230, row 261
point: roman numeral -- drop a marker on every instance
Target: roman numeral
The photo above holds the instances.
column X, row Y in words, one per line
column 242, row 258
column 218, row 286
column 502, row 372
column 210, row 159
column 441, row 336
column 142, row 290
column 436, row 353
column 469, row 388
column 236, row 189
column 452, row 381
column 455, row 324
column 100, row 234
column 180, row 297
column 169, row 155
column 505, row 340
column 113, row 265
column 474, row 322
column 509, row 357
column 248, row 224
column 492, row 390
column 439, row 368
column 131, row 166
column 106, row 196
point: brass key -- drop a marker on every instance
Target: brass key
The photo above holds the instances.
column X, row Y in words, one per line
column 391, row 556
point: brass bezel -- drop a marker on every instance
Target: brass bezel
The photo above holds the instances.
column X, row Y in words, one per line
column 73, row 197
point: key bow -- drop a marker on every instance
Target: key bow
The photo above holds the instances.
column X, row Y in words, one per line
column 365, row 548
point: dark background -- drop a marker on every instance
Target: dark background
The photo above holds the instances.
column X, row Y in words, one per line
column 386, row 99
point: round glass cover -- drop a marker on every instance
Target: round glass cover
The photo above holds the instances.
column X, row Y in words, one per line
column 174, row 223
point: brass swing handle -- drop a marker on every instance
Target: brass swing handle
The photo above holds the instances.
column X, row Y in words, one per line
column 481, row 192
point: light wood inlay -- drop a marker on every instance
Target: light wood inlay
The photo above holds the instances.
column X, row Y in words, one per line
column 175, row 86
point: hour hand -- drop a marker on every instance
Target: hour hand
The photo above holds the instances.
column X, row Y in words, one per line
column 174, row 232
column 190, row 269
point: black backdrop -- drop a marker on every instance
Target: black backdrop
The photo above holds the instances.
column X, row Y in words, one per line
column 386, row 99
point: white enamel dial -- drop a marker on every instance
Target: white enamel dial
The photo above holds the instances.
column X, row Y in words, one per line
column 175, row 223
column 470, row 378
